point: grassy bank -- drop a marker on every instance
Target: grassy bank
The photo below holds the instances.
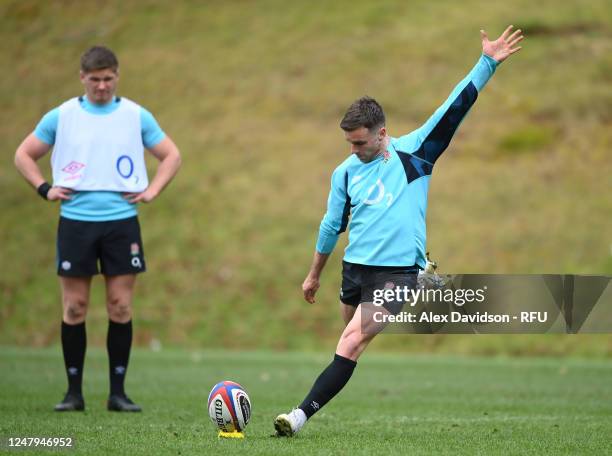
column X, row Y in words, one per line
column 252, row 92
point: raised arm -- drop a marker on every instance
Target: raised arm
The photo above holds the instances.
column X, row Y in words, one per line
column 430, row 140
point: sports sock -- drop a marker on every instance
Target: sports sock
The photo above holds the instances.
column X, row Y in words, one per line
column 118, row 344
column 328, row 384
column 74, row 344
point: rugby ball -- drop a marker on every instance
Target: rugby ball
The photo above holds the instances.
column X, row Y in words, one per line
column 229, row 406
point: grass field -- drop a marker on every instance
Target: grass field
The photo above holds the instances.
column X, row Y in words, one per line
column 393, row 405
column 252, row 92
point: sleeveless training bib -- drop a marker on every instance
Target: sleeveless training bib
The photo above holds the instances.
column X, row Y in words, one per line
column 103, row 153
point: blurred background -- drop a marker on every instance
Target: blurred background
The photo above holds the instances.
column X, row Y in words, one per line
column 252, row 92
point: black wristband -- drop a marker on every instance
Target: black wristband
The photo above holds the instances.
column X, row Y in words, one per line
column 43, row 190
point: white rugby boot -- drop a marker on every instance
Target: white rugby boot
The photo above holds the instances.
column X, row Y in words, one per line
column 289, row 424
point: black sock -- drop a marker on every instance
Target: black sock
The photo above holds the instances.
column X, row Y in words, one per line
column 74, row 344
column 329, row 383
column 118, row 344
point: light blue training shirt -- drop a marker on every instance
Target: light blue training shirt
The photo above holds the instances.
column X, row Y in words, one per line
column 386, row 199
column 98, row 206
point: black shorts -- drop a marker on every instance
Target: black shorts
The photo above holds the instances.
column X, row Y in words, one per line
column 360, row 283
column 116, row 243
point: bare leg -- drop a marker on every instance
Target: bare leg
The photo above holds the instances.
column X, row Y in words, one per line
column 359, row 332
column 75, row 298
column 347, row 312
column 119, row 293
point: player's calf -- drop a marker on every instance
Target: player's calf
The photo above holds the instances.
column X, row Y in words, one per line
column 326, row 386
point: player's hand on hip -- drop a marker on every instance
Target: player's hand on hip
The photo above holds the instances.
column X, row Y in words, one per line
column 59, row 193
column 144, row 197
column 504, row 46
column 310, row 287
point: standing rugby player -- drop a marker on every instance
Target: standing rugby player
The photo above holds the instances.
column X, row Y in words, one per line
column 99, row 176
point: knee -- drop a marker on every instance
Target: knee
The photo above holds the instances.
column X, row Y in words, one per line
column 119, row 310
column 75, row 310
column 352, row 343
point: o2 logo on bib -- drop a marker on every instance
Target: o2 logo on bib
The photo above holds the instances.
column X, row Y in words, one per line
column 125, row 166
column 375, row 197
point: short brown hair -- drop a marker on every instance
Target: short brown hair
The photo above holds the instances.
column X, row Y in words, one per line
column 364, row 112
column 98, row 58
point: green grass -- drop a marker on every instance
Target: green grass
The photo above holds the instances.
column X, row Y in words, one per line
column 252, row 92
column 393, row 404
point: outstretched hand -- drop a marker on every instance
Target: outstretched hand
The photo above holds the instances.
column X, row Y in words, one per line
column 504, row 46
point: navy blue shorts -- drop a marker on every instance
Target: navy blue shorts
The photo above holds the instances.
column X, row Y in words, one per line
column 116, row 245
column 361, row 282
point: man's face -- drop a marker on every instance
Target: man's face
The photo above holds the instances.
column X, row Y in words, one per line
column 366, row 144
column 100, row 85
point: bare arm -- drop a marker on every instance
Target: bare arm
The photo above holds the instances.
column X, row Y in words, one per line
column 28, row 153
column 169, row 163
column 311, row 282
